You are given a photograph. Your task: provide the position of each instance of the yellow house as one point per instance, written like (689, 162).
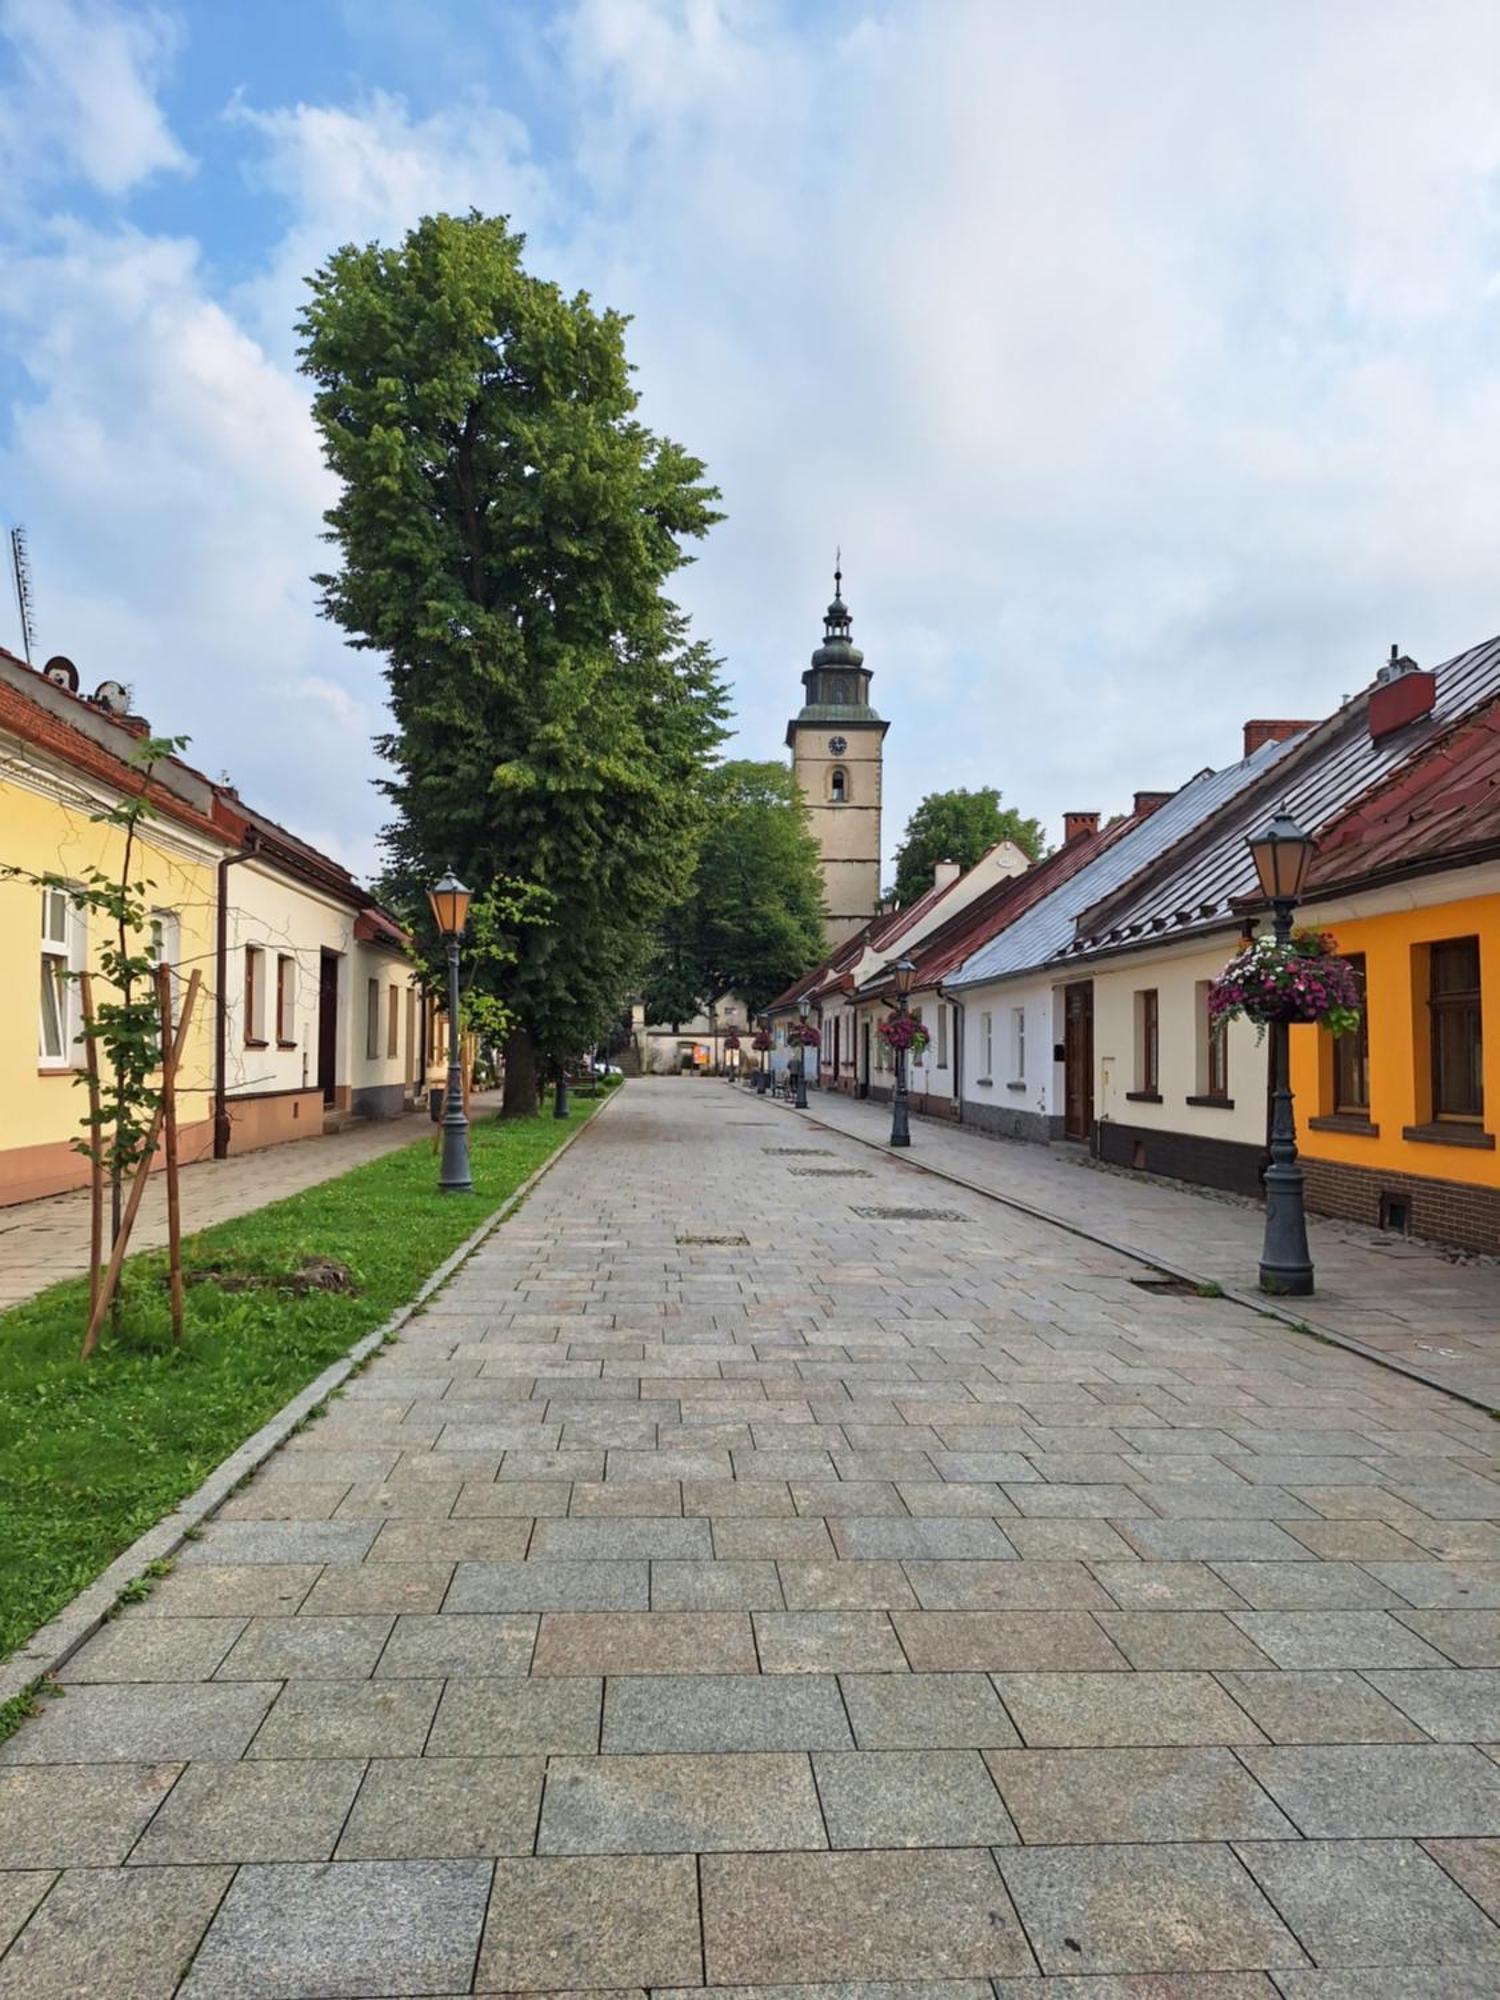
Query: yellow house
(60, 768)
(1398, 1121)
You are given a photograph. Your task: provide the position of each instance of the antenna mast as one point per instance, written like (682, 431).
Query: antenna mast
(20, 565)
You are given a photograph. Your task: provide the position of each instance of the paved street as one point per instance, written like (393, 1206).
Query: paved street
(1418, 1302)
(766, 1567)
(42, 1242)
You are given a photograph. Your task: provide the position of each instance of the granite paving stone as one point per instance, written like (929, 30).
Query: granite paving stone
(21, 1889)
(738, 1712)
(348, 1719)
(444, 1808)
(516, 1718)
(500, 1538)
(909, 1798)
(770, 1919)
(248, 1811)
(160, 1722)
(715, 1586)
(1475, 1866)
(621, 1539)
(209, 1590)
(925, 1711)
(1468, 1638)
(1005, 1641)
(1074, 1797)
(1334, 1639)
(278, 1543)
(343, 1927)
(424, 1645)
(881, 1537)
(77, 1815)
(1372, 1903)
(592, 1921)
(107, 1931)
(1168, 1639)
(1382, 1790)
(155, 1649)
(1166, 1586)
(1039, 1585)
(672, 1804)
(827, 1642)
(378, 1587)
(1166, 1908)
(663, 1642)
(1319, 1706)
(307, 1646)
(1102, 1711)
(845, 1586)
(550, 1586)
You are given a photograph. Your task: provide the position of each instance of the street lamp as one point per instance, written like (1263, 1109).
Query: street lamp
(450, 909)
(905, 972)
(1281, 855)
(762, 1076)
(804, 1007)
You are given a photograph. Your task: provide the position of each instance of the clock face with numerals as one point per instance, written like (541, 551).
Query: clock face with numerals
(837, 746)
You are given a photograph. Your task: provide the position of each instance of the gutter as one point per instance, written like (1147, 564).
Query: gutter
(221, 973)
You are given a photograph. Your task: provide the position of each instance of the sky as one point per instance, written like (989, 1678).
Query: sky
(1140, 355)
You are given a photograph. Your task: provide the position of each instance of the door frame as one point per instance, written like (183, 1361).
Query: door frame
(1078, 1062)
(329, 983)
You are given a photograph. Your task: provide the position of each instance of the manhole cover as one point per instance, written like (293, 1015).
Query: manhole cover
(699, 1242)
(832, 1173)
(797, 1152)
(911, 1214)
(1173, 1287)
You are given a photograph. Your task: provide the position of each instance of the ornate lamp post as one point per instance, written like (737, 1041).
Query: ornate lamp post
(450, 908)
(905, 971)
(804, 1007)
(1281, 855)
(762, 1075)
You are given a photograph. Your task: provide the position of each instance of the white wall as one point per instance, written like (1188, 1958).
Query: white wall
(1039, 1091)
(286, 919)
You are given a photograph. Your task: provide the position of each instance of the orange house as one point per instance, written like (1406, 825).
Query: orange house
(1397, 1123)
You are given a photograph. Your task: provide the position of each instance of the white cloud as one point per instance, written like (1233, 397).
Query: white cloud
(83, 101)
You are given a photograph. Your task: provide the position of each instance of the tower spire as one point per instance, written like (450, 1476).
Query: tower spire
(838, 572)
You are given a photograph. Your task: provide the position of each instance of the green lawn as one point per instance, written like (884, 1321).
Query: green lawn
(93, 1453)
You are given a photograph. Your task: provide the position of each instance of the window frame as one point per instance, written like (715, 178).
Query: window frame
(838, 785)
(372, 1020)
(255, 996)
(1444, 1006)
(286, 1000)
(61, 958)
(392, 1022)
(1018, 1044)
(987, 1044)
(942, 1036)
(1148, 1041)
(1352, 1051)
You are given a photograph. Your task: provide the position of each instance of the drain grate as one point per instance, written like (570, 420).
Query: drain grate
(1177, 1288)
(911, 1214)
(832, 1173)
(701, 1242)
(797, 1152)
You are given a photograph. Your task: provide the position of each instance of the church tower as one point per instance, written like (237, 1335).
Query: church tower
(837, 743)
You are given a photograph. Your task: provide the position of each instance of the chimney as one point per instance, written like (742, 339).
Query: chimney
(1259, 733)
(1148, 802)
(1403, 693)
(1076, 826)
(944, 873)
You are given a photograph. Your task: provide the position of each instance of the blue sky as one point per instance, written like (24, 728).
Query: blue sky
(1142, 357)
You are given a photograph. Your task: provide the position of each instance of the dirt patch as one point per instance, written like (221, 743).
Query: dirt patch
(314, 1274)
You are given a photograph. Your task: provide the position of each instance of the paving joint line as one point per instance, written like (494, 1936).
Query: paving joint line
(54, 1644)
(1254, 1302)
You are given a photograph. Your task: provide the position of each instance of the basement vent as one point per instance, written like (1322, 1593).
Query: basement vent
(832, 1173)
(702, 1242)
(1177, 1288)
(911, 1214)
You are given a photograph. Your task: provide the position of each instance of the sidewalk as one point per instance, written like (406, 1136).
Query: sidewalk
(1402, 1299)
(43, 1242)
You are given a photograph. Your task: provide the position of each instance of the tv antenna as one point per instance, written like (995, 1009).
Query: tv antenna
(20, 568)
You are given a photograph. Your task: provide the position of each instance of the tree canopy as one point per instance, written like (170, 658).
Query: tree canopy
(753, 921)
(958, 826)
(505, 529)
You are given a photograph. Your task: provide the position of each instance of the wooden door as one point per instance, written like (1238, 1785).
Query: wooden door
(864, 1059)
(328, 1024)
(1078, 1060)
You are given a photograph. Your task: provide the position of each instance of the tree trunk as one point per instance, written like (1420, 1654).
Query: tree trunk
(520, 1100)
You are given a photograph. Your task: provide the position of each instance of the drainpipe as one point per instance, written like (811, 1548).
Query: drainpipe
(958, 1050)
(221, 1012)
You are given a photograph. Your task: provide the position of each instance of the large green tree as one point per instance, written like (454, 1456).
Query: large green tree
(505, 528)
(754, 919)
(958, 826)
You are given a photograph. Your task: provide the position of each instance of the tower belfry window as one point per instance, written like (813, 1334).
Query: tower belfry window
(838, 787)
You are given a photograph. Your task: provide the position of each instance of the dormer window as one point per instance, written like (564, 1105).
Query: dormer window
(838, 787)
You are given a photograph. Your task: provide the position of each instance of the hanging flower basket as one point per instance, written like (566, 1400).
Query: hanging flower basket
(762, 1040)
(903, 1031)
(803, 1035)
(731, 1042)
(1303, 980)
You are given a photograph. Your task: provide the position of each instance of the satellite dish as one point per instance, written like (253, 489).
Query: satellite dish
(62, 673)
(112, 697)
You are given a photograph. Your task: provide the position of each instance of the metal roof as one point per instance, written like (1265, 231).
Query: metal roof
(1320, 774)
(1048, 927)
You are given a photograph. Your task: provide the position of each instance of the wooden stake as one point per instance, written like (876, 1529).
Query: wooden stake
(169, 1121)
(96, 1162)
(132, 1207)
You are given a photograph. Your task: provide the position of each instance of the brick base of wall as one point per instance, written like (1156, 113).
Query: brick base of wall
(1180, 1156)
(1004, 1121)
(1447, 1211)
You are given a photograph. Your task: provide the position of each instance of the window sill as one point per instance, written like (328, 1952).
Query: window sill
(984, 1083)
(285, 1045)
(1206, 1103)
(1144, 1097)
(60, 1069)
(1019, 1085)
(254, 1042)
(1443, 1134)
(1344, 1121)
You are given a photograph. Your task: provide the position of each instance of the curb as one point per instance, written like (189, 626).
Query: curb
(1256, 1302)
(49, 1647)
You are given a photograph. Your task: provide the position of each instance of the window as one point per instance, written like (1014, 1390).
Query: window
(987, 1045)
(372, 1021)
(255, 997)
(838, 787)
(60, 1020)
(1018, 1044)
(286, 1001)
(1351, 1054)
(1213, 1048)
(1457, 1048)
(942, 1036)
(1148, 1042)
(166, 944)
(392, 1023)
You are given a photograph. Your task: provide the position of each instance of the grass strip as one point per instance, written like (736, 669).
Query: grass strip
(94, 1453)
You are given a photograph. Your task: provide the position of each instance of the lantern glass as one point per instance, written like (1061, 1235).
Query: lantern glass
(804, 1006)
(905, 972)
(450, 904)
(1281, 855)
